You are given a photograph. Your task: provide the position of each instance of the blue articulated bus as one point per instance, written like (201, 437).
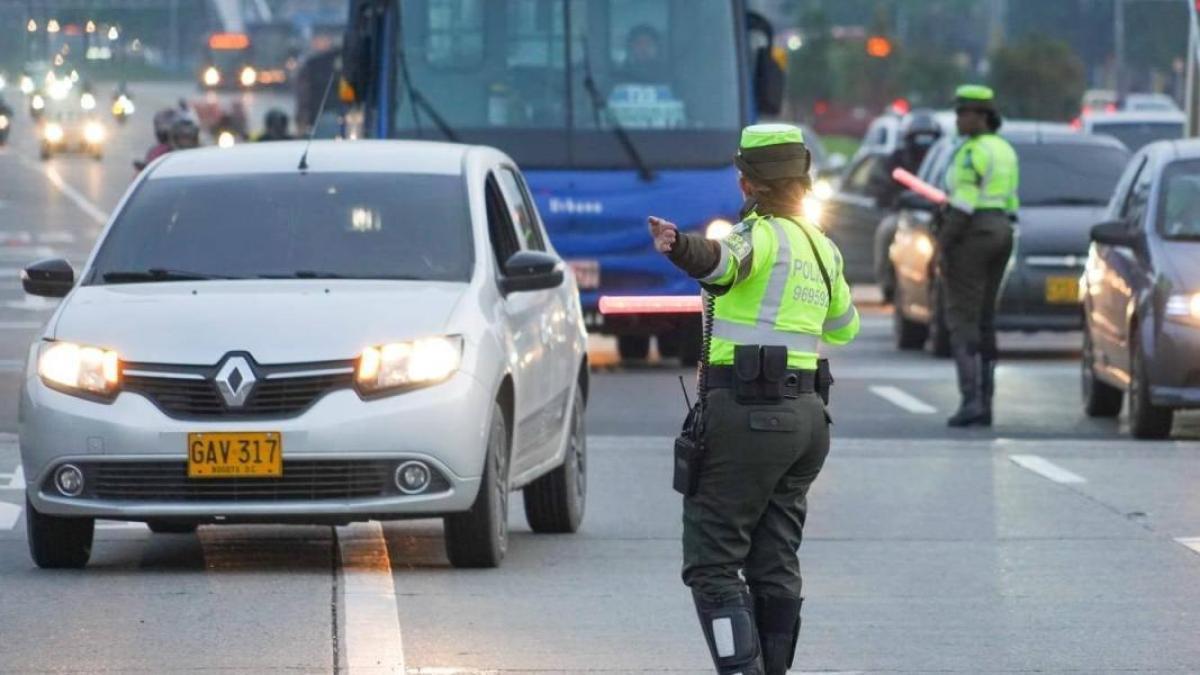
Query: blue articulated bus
(615, 109)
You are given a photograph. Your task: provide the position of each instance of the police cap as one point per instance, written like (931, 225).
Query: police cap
(772, 152)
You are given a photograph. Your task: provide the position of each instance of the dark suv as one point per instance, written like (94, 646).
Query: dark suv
(1067, 179)
(1142, 300)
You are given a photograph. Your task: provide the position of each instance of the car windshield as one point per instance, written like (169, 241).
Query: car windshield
(498, 72)
(1066, 174)
(1137, 134)
(357, 226)
(1179, 202)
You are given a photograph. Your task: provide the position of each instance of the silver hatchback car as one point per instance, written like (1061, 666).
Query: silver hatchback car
(386, 333)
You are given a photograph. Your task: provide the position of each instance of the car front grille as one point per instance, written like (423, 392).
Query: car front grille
(196, 396)
(301, 481)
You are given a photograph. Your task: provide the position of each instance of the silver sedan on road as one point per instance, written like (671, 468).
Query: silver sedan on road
(379, 330)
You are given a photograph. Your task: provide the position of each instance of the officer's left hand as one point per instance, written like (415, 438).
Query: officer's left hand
(664, 233)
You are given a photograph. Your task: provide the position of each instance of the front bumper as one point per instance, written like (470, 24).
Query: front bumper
(1175, 366)
(445, 426)
(1032, 298)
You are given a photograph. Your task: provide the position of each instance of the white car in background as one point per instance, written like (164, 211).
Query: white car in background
(1136, 129)
(385, 334)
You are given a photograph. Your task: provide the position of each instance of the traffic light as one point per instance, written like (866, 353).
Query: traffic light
(880, 47)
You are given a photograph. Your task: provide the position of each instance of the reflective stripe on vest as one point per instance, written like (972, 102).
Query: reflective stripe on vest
(766, 335)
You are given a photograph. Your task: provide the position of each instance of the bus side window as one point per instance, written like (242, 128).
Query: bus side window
(454, 33)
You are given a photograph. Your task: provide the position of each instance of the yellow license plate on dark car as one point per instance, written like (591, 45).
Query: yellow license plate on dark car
(1062, 290)
(235, 455)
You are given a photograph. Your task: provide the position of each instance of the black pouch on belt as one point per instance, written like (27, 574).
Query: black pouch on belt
(689, 453)
(747, 368)
(824, 380)
(774, 372)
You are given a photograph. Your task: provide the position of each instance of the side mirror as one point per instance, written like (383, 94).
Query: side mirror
(531, 271)
(914, 202)
(1114, 233)
(51, 278)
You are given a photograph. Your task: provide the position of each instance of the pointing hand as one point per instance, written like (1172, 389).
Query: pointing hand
(664, 233)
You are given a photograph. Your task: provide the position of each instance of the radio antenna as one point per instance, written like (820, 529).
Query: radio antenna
(312, 133)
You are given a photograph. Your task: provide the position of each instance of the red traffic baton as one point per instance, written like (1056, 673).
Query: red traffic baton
(650, 304)
(908, 180)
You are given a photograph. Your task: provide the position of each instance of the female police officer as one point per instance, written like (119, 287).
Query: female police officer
(778, 290)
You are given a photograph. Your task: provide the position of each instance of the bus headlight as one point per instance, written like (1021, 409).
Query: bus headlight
(53, 133)
(211, 76)
(718, 229)
(93, 133)
(248, 77)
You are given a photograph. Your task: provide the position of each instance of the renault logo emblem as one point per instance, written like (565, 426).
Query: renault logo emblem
(235, 380)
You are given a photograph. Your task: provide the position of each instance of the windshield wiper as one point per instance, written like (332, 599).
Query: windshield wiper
(314, 274)
(415, 97)
(1068, 201)
(160, 274)
(600, 107)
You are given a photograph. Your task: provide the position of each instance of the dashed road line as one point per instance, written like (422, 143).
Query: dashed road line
(9, 515)
(16, 479)
(1046, 469)
(1191, 542)
(372, 641)
(903, 399)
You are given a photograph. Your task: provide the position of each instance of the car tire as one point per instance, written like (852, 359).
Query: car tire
(168, 527)
(1146, 420)
(1100, 399)
(554, 503)
(636, 347)
(478, 538)
(909, 334)
(56, 542)
(939, 332)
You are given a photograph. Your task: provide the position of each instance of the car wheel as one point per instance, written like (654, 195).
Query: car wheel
(1146, 420)
(479, 537)
(909, 334)
(58, 543)
(1100, 399)
(168, 527)
(939, 332)
(633, 346)
(555, 502)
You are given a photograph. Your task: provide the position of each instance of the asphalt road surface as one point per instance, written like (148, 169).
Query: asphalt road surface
(1050, 543)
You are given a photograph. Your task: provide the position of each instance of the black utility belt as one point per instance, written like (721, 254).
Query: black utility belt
(794, 382)
(760, 374)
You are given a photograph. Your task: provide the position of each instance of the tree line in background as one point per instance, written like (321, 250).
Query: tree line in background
(1040, 55)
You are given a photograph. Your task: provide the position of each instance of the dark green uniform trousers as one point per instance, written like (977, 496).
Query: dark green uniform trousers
(747, 516)
(973, 267)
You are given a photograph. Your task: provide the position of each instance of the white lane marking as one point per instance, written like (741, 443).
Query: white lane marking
(90, 209)
(9, 515)
(372, 641)
(33, 303)
(18, 479)
(1190, 542)
(11, 365)
(119, 525)
(21, 325)
(903, 399)
(1046, 469)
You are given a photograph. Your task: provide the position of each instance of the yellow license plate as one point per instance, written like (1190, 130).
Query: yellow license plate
(1062, 290)
(235, 455)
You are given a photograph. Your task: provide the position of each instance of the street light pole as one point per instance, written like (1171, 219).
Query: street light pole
(1119, 46)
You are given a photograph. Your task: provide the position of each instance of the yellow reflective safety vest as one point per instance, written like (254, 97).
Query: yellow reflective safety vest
(984, 174)
(770, 291)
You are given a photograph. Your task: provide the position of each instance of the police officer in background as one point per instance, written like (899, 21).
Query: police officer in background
(975, 240)
(776, 289)
(917, 135)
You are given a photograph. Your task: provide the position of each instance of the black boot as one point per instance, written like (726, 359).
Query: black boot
(970, 385)
(778, 631)
(732, 634)
(987, 388)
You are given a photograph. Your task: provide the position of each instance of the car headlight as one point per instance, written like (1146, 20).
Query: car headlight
(1184, 307)
(3, 122)
(212, 76)
(38, 103)
(822, 189)
(718, 229)
(407, 365)
(79, 368)
(26, 85)
(93, 133)
(813, 209)
(226, 139)
(87, 101)
(248, 77)
(53, 132)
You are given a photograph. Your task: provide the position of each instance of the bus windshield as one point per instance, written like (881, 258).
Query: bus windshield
(498, 72)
